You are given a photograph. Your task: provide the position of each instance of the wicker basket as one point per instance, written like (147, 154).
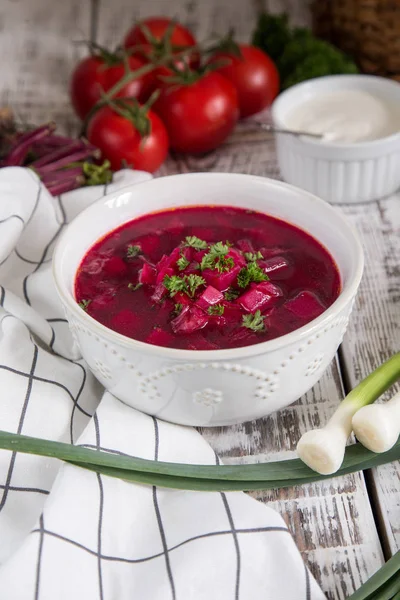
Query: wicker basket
(367, 30)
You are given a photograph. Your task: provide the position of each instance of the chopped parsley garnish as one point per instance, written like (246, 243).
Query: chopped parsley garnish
(174, 284)
(182, 263)
(178, 308)
(194, 281)
(216, 258)
(253, 256)
(217, 309)
(133, 251)
(84, 304)
(187, 284)
(231, 294)
(134, 286)
(194, 242)
(251, 273)
(254, 322)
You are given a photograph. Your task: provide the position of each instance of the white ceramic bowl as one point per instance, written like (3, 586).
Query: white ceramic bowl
(216, 387)
(339, 173)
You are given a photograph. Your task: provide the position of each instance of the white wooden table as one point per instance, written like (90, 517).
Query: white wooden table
(345, 527)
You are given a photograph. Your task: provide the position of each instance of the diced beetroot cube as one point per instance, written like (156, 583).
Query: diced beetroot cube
(163, 273)
(150, 245)
(102, 301)
(189, 320)
(188, 253)
(237, 256)
(305, 305)
(221, 281)
(115, 266)
(217, 321)
(260, 296)
(147, 275)
(159, 337)
(162, 263)
(276, 267)
(159, 292)
(198, 256)
(197, 341)
(242, 337)
(209, 297)
(125, 321)
(192, 268)
(182, 298)
(232, 312)
(173, 257)
(245, 246)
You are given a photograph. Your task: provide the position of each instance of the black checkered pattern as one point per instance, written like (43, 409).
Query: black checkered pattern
(71, 533)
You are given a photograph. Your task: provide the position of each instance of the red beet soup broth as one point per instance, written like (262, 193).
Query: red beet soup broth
(206, 278)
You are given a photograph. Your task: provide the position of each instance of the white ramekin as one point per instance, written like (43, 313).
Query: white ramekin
(217, 387)
(339, 173)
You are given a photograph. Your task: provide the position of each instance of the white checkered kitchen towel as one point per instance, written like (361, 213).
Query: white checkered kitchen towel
(70, 534)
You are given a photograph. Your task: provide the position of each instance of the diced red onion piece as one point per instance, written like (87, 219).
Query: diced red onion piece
(189, 320)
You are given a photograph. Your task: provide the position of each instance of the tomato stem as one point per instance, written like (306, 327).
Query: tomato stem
(131, 76)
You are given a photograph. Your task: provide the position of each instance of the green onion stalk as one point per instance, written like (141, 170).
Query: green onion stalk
(324, 449)
(384, 585)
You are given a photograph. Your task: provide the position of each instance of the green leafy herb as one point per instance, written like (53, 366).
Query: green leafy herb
(178, 308)
(253, 256)
(175, 284)
(216, 258)
(298, 54)
(231, 294)
(194, 242)
(193, 282)
(133, 251)
(97, 174)
(84, 304)
(251, 273)
(217, 309)
(254, 322)
(182, 263)
(134, 286)
(187, 284)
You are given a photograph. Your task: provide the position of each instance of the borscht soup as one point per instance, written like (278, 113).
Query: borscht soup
(206, 278)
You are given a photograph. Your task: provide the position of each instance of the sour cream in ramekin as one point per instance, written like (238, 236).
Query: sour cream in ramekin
(345, 116)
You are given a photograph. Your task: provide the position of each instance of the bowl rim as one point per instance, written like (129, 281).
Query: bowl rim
(317, 82)
(288, 339)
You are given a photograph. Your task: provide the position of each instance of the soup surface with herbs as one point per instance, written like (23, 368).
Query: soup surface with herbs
(205, 278)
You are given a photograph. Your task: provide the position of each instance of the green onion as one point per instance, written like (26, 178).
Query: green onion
(323, 449)
(260, 476)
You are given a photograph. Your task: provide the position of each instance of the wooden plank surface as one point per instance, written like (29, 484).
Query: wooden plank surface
(38, 51)
(332, 522)
(374, 333)
(338, 541)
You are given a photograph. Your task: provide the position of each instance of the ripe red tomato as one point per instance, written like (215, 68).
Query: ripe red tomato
(93, 75)
(158, 27)
(121, 143)
(198, 116)
(154, 38)
(255, 77)
(86, 82)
